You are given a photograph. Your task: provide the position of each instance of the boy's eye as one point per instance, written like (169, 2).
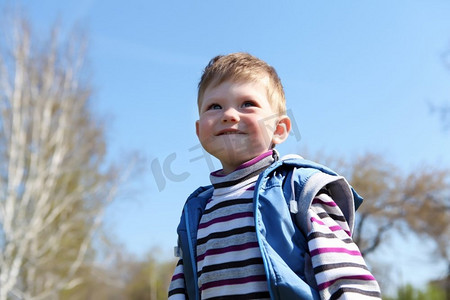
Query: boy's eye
(215, 106)
(248, 104)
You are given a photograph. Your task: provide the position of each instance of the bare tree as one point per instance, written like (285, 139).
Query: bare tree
(54, 183)
(443, 109)
(443, 112)
(418, 201)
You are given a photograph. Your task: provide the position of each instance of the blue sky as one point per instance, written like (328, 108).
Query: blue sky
(357, 74)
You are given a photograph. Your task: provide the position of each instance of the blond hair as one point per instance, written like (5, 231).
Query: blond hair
(243, 67)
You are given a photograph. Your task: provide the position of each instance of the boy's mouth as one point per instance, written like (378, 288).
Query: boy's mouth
(229, 131)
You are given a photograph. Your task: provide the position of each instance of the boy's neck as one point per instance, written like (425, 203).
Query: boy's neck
(230, 169)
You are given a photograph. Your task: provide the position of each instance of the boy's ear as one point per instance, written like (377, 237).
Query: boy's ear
(282, 130)
(196, 127)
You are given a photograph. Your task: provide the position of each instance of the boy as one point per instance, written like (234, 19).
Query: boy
(266, 227)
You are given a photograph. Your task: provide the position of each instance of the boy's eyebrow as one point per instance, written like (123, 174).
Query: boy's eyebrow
(210, 99)
(240, 98)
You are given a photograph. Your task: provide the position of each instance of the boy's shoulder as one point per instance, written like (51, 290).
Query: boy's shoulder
(296, 161)
(291, 156)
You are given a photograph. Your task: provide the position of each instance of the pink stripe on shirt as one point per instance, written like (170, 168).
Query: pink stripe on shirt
(332, 228)
(319, 201)
(227, 249)
(255, 160)
(226, 218)
(177, 276)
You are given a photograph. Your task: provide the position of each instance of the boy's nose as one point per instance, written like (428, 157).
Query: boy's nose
(230, 115)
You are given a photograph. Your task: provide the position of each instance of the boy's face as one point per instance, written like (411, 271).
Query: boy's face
(237, 123)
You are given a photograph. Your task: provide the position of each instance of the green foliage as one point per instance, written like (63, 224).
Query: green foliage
(408, 292)
(150, 279)
(126, 279)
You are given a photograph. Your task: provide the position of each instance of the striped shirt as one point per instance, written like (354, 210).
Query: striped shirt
(229, 260)
(340, 270)
(228, 257)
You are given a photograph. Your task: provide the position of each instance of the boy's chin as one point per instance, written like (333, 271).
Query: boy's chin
(238, 157)
(235, 151)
